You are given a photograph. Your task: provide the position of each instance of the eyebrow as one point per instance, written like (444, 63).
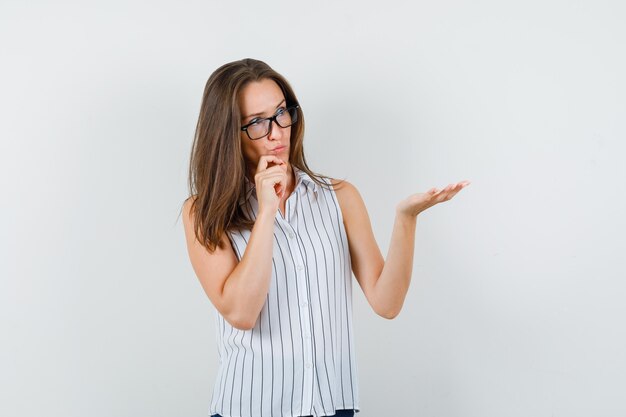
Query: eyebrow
(259, 114)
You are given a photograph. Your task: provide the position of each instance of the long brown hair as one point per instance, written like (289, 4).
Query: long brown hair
(217, 166)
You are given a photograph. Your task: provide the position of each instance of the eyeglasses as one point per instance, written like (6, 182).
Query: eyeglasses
(259, 128)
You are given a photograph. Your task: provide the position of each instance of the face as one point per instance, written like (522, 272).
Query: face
(257, 100)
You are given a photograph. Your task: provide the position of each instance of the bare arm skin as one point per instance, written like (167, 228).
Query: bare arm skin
(385, 283)
(238, 290)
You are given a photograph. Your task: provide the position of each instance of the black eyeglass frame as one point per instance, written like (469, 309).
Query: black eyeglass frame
(271, 119)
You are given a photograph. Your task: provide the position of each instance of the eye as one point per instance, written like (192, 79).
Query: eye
(280, 111)
(254, 121)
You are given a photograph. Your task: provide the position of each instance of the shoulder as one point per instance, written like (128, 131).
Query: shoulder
(188, 219)
(187, 204)
(343, 187)
(348, 196)
(189, 211)
(192, 231)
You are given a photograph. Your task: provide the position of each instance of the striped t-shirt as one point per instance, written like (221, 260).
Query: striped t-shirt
(299, 359)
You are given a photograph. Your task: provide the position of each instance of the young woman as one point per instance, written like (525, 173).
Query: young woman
(274, 246)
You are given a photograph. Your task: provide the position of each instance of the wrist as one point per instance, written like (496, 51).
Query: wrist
(266, 213)
(406, 217)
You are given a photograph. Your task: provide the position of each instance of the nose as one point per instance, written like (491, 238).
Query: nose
(275, 131)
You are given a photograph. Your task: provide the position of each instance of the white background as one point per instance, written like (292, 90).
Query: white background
(516, 306)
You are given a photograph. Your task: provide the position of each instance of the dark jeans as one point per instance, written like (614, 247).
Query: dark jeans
(340, 413)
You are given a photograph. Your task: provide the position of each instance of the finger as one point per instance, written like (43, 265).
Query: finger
(279, 184)
(444, 190)
(273, 178)
(443, 194)
(282, 166)
(264, 161)
(453, 191)
(461, 185)
(275, 169)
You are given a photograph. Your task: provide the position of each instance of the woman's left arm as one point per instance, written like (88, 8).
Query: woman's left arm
(385, 283)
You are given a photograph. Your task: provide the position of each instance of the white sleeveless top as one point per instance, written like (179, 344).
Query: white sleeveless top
(299, 359)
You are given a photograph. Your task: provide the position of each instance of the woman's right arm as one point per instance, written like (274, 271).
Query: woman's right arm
(238, 290)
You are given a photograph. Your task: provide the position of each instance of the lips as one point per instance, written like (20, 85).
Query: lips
(278, 149)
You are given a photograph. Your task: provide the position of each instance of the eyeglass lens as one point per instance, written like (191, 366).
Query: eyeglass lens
(285, 118)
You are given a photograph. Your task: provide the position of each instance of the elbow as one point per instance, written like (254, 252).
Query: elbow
(237, 316)
(389, 309)
(241, 325)
(389, 315)
(390, 312)
(241, 322)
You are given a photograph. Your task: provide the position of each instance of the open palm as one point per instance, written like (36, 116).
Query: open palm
(417, 203)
